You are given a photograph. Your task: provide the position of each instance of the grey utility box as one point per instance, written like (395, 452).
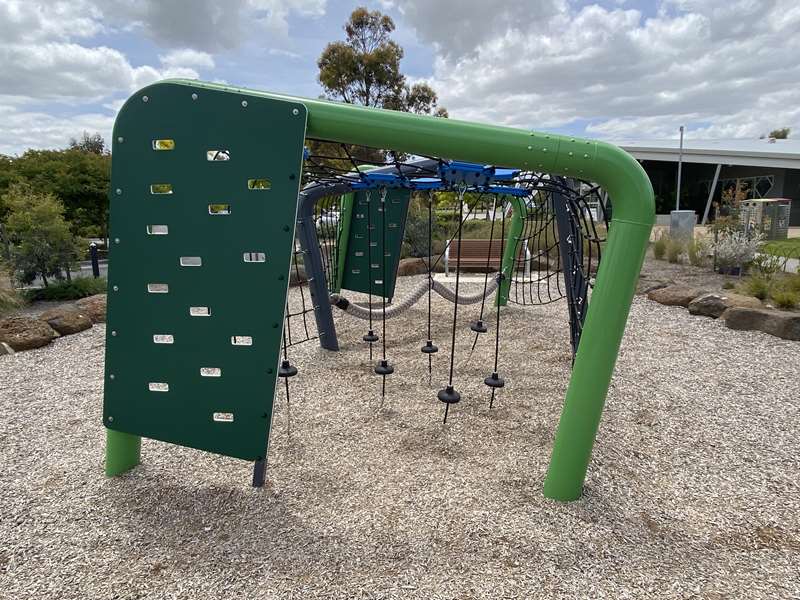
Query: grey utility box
(681, 224)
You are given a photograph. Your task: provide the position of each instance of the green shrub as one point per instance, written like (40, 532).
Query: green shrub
(660, 247)
(758, 287)
(792, 283)
(697, 250)
(786, 299)
(69, 290)
(675, 249)
(9, 300)
(728, 285)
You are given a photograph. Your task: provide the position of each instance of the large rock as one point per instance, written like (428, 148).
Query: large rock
(779, 323)
(25, 333)
(412, 266)
(94, 307)
(674, 295)
(646, 285)
(66, 320)
(716, 303)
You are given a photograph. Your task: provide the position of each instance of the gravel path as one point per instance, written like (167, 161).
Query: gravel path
(692, 492)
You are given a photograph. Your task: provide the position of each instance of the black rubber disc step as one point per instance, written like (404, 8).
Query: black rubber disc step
(478, 326)
(429, 348)
(449, 396)
(287, 370)
(384, 368)
(495, 381)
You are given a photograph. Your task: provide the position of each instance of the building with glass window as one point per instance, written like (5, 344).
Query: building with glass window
(738, 169)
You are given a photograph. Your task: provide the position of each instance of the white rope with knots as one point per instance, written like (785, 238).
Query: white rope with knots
(418, 292)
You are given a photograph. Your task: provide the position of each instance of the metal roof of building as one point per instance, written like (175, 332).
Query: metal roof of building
(783, 154)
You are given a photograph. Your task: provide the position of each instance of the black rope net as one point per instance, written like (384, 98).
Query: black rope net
(298, 326)
(556, 254)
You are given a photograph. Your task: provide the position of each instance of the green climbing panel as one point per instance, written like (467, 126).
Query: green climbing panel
(203, 205)
(365, 246)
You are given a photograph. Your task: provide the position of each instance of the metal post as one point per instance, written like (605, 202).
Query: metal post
(312, 263)
(575, 284)
(95, 262)
(518, 215)
(680, 164)
(711, 194)
(123, 451)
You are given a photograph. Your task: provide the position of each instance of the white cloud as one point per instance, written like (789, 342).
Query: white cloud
(186, 57)
(35, 129)
(70, 72)
(28, 21)
(207, 24)
(723, 65)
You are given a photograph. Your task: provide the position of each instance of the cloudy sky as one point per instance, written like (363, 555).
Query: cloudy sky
(613, 69)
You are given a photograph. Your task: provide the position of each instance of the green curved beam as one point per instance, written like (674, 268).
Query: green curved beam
(609, 166)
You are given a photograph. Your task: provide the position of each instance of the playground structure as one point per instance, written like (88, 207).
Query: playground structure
(199, 241)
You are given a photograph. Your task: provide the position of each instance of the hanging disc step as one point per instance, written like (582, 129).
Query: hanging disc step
(287, 369)
(494, 381)
(449, 396)
(478, 326)
(429, 348)
(384, 368)
(370, 337)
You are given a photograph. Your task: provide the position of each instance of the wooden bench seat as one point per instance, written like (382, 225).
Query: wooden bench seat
(472, 254)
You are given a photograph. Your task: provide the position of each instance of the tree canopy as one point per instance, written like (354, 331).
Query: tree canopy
(78, 176)
(780, 134)
(39, 241)
(365, 68)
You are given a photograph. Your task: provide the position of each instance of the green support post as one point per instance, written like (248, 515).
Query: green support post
(123, 451)
(607, 165)
(518, 215)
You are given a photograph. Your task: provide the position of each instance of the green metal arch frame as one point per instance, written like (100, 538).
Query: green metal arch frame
(609, 166)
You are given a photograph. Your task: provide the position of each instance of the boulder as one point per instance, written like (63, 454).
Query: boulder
(25, 333)
(645, 286)
(5, 349)
(411, 266)
(779, 323)
(66, 320)
(674, 295)
(716, 303)
(94, 307)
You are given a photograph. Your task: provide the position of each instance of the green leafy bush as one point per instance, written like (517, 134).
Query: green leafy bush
(69, 290)
(40, 241)
(791, 283)
(660, 248)
(697, 250)
(728, 285)
(758, 287)
(9, 300)
(675, 249)
(786, 299)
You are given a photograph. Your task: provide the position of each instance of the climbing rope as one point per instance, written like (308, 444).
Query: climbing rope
(413, 297)
(287, 370)
(449, 395)
(479, 326)
(494, 380)
(429, 348)
(370, 337)
(383, 368)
